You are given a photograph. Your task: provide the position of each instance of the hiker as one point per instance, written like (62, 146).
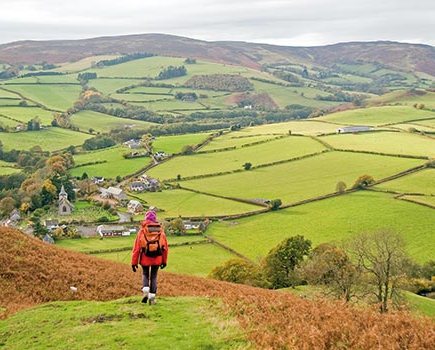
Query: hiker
(151, 252)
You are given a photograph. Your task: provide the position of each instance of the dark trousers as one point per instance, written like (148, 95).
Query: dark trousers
(150, 277)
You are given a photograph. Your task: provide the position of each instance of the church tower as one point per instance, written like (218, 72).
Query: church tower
(65, 206)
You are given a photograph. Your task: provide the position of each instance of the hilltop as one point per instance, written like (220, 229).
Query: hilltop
(33, 273)
(401, 56)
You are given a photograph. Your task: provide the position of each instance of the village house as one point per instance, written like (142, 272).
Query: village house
(191, 225)
(134, 206)
(353, 129)
(48, 239)
(112, 231)
(160, 155)
(14, 217)
(145, 183)
(113, 193)
(65, 206)
(137, 186)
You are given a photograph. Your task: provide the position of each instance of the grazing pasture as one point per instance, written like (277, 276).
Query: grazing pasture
(385, 142)
(109, 86)
(104, 123)
(307, 178)
(50, 139)
(420, 182)
(230, 140)
(428, 200)
(329, 220)
(305, 127)
(57, 97)
(208, 163)
(7, 168)
(24, 114)
(112, 163)
(83, 64)
(175, 143)
(376, 116)
(189, 204)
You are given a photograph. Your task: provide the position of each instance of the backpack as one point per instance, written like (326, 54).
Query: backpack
(151, 239)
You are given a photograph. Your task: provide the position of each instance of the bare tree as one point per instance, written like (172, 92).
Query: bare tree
(381, 256)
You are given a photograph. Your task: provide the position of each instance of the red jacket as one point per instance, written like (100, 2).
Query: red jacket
(146, 260)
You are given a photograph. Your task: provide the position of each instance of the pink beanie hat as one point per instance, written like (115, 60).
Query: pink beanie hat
(150, 215)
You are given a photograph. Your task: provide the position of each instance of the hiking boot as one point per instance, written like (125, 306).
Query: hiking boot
(145, 291)
(152, 299)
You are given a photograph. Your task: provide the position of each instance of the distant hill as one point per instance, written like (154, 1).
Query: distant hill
(33, 273)
(399, 56)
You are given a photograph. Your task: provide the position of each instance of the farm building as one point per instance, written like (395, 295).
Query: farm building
(134, 206)
(145, 183)
(65, 206)
(15, 216)
(353, 129)
(98, 180)
(160, 155)
(51, 224)
(137, 186)
(112, 231)
(113, 193)
(133, 144)
(192, 225)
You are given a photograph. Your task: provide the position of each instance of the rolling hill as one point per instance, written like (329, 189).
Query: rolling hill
(33, 273)
(401, 56)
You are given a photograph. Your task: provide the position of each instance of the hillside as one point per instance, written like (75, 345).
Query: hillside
(33, 273)
(406, 57)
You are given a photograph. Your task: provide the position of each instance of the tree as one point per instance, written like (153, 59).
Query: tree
(381, 256)
(363, 181)
(188, 149)
(239, 271)
(331, 266)
(7, 204)
(340, 187)
(274, 204)
(247, 166)
(176, 226)
(282, 260)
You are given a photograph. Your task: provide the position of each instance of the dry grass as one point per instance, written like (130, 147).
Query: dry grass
(33, 273)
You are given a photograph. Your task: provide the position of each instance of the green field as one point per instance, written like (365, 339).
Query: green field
(109, 86)
(187, 204)
(103, 123)
(378, 115)
(332, 219)
(196, 259)
(24, 114)
(56, 97)
(421, 182)
(430, 123)
(416, 125)
(308, 178)
(208, 163)
(429, 200)
(172, 105)
(234, 140)
(385, 142)
(305, 127)
(82, 64)
(421, 305)
(86, 245)
(406, 98)
(174, 144)
(183, 322)
(7, 168)
(50, 139)
(115, 164)
(45, 79)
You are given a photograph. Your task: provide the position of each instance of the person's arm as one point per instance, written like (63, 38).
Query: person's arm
(165, 251)
(136, 251)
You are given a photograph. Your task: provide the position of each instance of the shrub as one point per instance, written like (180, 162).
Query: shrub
(363, 181)
(240, 271)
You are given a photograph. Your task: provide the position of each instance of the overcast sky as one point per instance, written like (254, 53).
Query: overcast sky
(284, 22)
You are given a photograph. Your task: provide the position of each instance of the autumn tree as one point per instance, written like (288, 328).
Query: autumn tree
(275, 204)
(340, 187)
(240, 271)
(381, 256)
(7, 204)
(331, 267)
(282, 260)
(363, 181)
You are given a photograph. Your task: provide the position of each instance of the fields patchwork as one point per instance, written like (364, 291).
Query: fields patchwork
(50, 139)
(420, 182)
(18, 115)
(308, 178)
(56, 97)
(208, 163)
(100, 122)
(114, 163)
(174, 144)
(187, 204)
(332, 219)
(378, 115)
(305, 127)
(385, 142)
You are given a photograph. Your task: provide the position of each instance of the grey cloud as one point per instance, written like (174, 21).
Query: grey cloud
(291, 22)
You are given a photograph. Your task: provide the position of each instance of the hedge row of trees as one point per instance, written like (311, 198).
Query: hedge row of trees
(372, 267)
(220, 82)
(124, 58)
(172, 72)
